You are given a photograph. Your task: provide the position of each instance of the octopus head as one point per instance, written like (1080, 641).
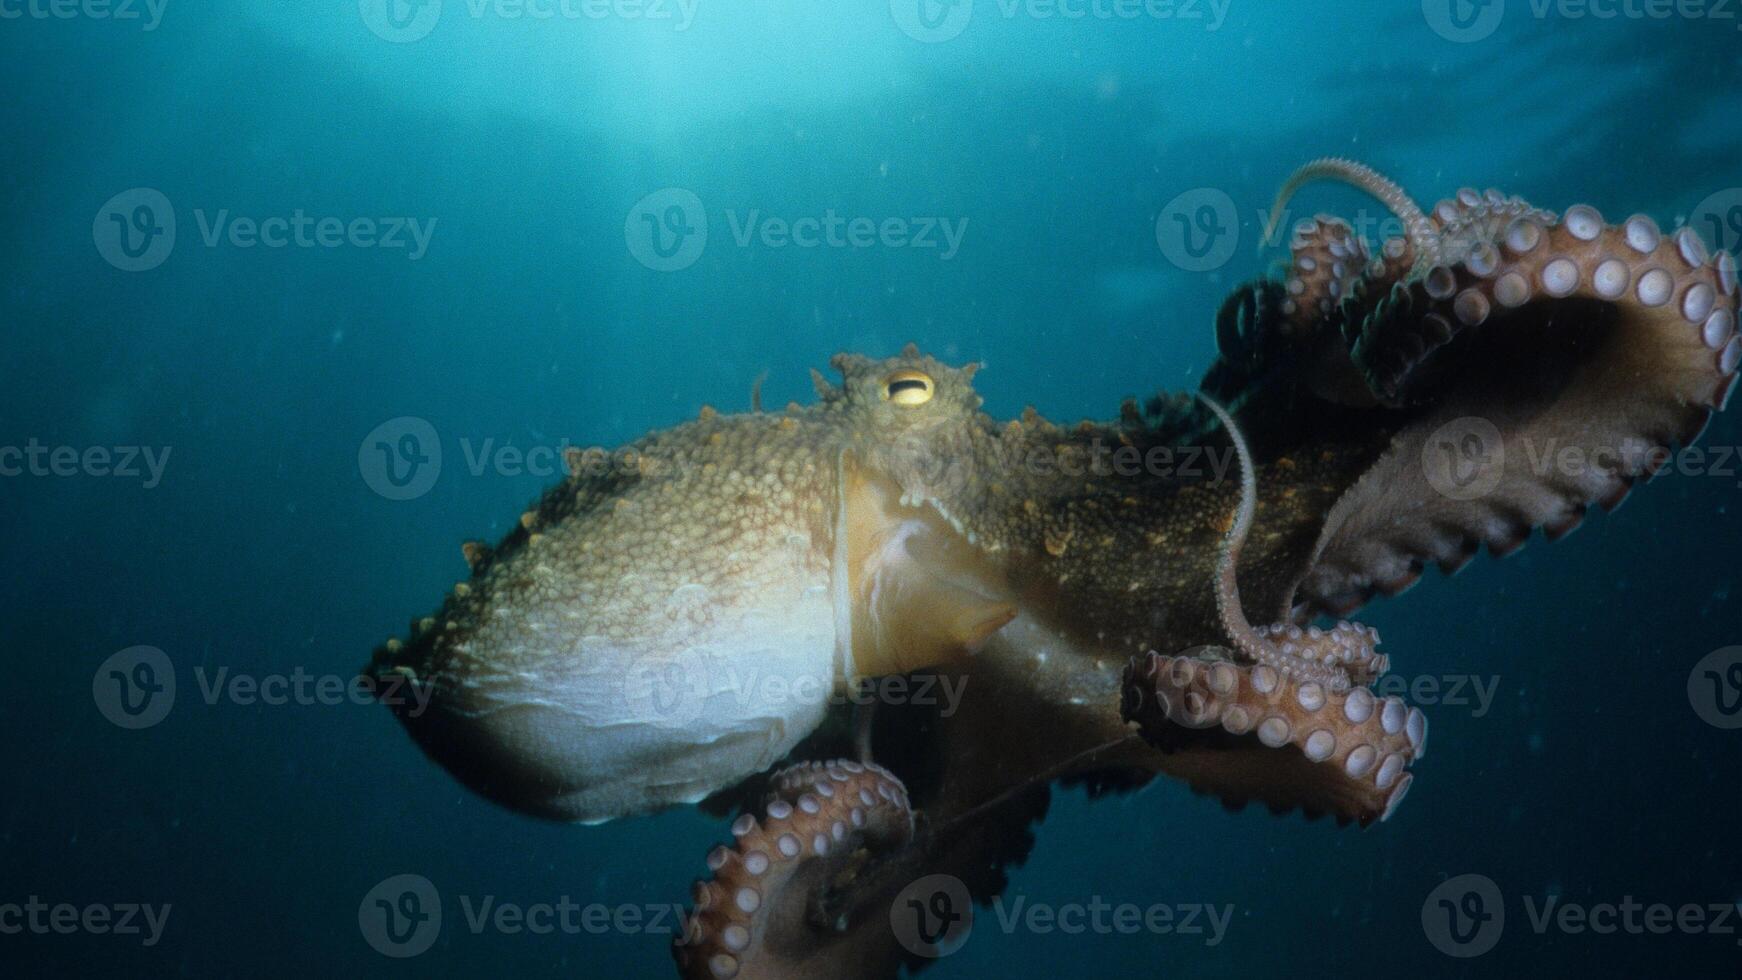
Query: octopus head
(912, 418)
(912, 392)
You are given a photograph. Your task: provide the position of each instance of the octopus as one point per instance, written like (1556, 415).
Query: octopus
(690, 620)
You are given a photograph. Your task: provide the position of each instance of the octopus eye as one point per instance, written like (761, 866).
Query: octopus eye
(909, 388)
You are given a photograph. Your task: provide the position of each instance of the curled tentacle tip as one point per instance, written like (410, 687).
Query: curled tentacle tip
(816, 813)
(1417, 227)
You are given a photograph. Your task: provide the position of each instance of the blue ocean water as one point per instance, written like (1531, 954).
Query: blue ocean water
(482, 216)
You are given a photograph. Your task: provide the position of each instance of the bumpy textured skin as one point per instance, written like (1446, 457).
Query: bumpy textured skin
(638, 554)
(1556, 330)
(671, 556)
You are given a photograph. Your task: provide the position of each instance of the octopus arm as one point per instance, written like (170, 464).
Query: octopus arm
(1245, 734)
(1520, 366)
(817, 877)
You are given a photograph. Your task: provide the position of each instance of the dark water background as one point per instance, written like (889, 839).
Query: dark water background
(264, 550)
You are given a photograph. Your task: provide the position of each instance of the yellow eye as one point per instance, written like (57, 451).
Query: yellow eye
(909, 388)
